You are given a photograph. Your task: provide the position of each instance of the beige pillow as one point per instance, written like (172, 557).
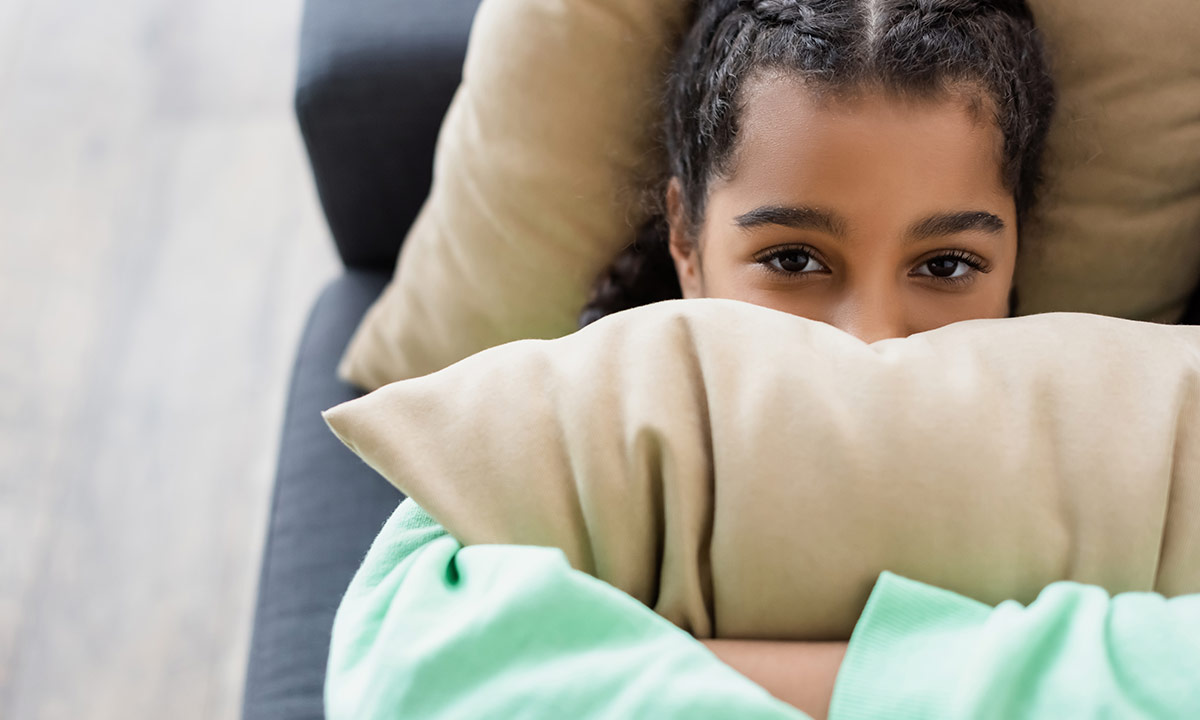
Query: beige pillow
(1121, 215)
(544, 145)
(534, 185)
(749, 473)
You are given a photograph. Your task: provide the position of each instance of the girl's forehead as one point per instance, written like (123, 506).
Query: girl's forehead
(791, 133)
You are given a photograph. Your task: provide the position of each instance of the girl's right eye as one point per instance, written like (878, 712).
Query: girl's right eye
(790, 261)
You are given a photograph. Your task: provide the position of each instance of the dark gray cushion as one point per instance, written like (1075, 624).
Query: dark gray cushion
(375, 79)
(327, 508)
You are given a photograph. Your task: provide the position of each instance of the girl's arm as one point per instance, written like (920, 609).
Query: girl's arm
(428, 628)
(923, 652)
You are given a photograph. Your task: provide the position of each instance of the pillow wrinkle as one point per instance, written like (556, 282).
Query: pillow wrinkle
(646, 457)
(688, 532)
(704, 543)
(595, 560)
(1182, 506)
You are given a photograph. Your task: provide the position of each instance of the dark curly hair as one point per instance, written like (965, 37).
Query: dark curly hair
(921, 48)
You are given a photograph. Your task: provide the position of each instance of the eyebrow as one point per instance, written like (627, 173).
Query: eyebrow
(956, 222)
(811, 218)
(799, 217)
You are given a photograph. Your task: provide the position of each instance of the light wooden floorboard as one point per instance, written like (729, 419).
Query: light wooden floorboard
(160, 246)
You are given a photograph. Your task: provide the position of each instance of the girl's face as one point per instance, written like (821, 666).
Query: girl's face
(882, 217)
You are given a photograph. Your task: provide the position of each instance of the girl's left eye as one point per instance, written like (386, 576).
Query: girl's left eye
(953, 267)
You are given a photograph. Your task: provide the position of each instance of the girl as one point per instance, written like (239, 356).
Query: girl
(867, 163)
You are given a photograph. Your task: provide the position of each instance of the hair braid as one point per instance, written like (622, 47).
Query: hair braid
(642, 274)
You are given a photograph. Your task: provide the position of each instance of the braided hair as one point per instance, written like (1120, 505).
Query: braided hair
(920, 48)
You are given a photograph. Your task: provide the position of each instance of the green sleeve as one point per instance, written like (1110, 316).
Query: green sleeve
(923, 652)
(428, 628)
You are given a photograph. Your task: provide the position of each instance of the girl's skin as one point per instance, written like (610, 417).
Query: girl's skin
(879, 215)
(836, 210)
(799, 673)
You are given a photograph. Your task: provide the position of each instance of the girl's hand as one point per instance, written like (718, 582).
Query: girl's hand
(800, 674)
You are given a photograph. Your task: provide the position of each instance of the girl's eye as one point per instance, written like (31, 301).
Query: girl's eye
(790, 261)
(954, 267)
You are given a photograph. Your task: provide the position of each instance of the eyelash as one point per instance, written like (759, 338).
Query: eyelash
(977, 264)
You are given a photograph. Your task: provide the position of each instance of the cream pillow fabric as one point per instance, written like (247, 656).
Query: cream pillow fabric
(544, 145)
(748, 473)
(1120, 229)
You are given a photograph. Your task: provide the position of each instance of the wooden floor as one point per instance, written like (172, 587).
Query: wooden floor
(160, 246)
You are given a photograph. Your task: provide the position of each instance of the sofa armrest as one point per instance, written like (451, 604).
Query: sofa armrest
(327, 507)
(374, 82)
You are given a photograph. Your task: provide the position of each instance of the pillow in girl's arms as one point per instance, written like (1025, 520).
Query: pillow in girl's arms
(748, 473)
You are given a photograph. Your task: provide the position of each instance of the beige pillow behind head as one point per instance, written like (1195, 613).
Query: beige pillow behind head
(555, 123)
(1120, 221)
(535, 182)
(748, 473)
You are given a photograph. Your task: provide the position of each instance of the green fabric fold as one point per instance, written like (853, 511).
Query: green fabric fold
(430, 629)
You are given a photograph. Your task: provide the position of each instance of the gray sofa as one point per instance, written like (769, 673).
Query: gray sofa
(375, 79)
(374, 82)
